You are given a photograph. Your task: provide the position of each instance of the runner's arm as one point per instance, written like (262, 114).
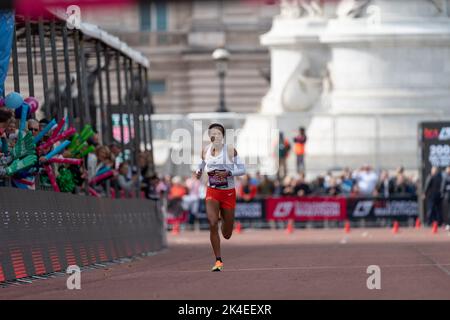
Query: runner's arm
(238, 167)
(201, 165)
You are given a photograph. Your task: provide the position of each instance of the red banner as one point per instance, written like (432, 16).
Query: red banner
(306, 208)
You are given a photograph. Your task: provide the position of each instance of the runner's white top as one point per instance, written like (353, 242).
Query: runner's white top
(222, 162)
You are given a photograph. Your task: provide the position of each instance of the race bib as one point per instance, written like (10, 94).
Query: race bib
(217, 182)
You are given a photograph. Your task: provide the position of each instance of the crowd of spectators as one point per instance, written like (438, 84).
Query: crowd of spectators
(126, 180)
(361, 182)
(138, 179)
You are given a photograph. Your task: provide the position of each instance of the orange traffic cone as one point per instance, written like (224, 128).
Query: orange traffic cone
(435, 227)
(290, 227)
(238, 228)
(176, 228)
(347, 227)
(395, 228)
(418, 224)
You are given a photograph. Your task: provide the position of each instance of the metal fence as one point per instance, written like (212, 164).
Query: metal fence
(87, 76)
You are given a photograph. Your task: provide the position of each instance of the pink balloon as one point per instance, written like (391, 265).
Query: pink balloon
(33, 103)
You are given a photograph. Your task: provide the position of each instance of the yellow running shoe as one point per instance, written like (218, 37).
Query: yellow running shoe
(218, 266)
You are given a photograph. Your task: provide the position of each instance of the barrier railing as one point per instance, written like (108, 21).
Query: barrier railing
(50, 231)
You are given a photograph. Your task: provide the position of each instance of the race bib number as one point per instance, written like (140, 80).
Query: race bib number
(217, 182)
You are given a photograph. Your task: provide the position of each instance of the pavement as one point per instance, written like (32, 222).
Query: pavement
(270, 264)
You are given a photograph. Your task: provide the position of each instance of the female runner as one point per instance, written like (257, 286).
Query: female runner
(221, 163)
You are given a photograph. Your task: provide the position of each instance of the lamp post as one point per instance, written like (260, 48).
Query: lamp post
(221, 57)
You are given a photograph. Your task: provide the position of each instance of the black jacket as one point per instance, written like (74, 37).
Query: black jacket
(433, 185)
(445, 186)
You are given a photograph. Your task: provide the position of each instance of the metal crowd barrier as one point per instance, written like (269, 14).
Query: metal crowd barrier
(44, 232)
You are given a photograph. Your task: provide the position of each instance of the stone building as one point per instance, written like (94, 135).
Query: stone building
(179, 38)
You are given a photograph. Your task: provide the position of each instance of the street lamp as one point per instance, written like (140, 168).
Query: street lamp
(221, 57)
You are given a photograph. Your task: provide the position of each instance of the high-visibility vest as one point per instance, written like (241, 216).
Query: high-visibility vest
(299, 148)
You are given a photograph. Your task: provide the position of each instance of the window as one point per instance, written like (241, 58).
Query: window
(157, 86)
(161, 16)
(144, 12)
(153, 15)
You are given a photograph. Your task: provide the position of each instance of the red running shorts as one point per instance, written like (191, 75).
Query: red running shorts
(225, 197)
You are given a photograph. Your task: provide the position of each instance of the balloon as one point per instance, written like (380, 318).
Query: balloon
(18, 112)
(13, 100)
(33, 103)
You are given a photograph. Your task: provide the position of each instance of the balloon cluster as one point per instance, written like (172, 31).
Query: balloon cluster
(16, 102)
(25, 153)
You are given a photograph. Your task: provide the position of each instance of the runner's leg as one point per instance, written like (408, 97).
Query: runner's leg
(212, 210)
(227, 222)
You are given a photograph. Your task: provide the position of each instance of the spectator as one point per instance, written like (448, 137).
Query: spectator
(328, 178)
(101, 158)
(5, 116)
(355, 192)
(402, 186)
(43, 123)
(299, 148)
(144, 160)
(288, 186)
(192, 199)
(256, 180)
(126, 184)
(333, 188)
(177, 190)
(432, 196)
(346, 181)
(283, 152)
(318, 186)
(385, 186)
(94, 140)
(33, 126)
(301, 187)
(162, 187)
(176, 193)
(115, 153)
(366, 179)
(278, 188)
(11, 128)
(266, 187)
(445, 192)
(152, 189)
(247, 191)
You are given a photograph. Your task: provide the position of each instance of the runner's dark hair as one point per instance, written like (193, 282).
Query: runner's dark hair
(217, 125)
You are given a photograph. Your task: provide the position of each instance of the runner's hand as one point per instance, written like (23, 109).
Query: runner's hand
(221, 174)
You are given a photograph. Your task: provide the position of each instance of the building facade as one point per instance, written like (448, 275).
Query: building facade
(179, 38)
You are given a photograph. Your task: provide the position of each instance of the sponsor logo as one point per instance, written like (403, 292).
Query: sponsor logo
(444, 134)
(430, 133)
(363, 208)
(283, 209)
(440, 134)
(318, 209)
(398, 208)
(249, 210)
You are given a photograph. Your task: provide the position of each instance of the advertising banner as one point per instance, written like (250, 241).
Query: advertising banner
(253, 210)
(434, 141)
(400, 208)
(306, 208)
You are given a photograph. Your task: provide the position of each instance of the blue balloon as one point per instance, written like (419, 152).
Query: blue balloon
(18, 112)
(13, 100)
